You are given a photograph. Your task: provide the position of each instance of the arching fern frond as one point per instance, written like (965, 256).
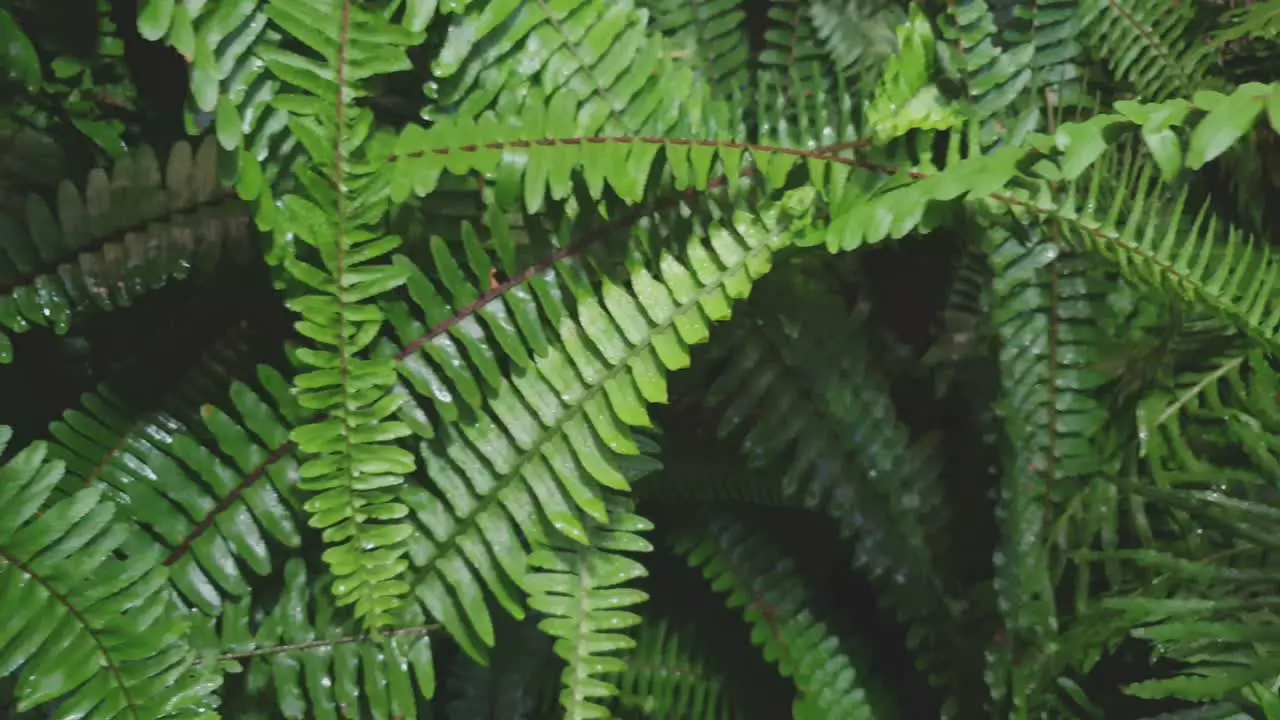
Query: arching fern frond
(123, 235)
(540, 451)
(199, 491)
(76, 584)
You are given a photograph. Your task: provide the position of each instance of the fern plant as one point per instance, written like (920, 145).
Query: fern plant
(340, 339)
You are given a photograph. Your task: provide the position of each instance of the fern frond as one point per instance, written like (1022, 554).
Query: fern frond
(120, 237)
(577, 585)
(711, 36)
(813, 396)
(1042, 312)
(857, 33)
(540, 450)
(353, 465)
(624, 164)
(310, 663)
(87, 621)
(1213, 618)
(667, 679)
(1149, 44)
(1160, 245)
(762, 583)
(993, 77)
(1053, 29)
(794, 51)
(603, 57)
(197, 490)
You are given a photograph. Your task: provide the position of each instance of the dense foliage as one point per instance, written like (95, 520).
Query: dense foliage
(338, 338)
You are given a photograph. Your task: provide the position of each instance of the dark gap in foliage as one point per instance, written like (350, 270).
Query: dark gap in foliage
(144, 349)
(851, 609)
(160, 75)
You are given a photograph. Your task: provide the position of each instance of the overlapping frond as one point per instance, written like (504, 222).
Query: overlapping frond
(762, 584)
(86, 618)
(1043, 312)
(540, 452)
(125, 234)
(502, 225)
(802, 389)
(216, 500)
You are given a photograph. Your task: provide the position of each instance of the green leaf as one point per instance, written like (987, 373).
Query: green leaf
(19, 56)
(1225, 124)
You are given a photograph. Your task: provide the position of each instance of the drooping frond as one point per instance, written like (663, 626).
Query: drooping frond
(579, 587)
(78, 582)
(802, 390)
